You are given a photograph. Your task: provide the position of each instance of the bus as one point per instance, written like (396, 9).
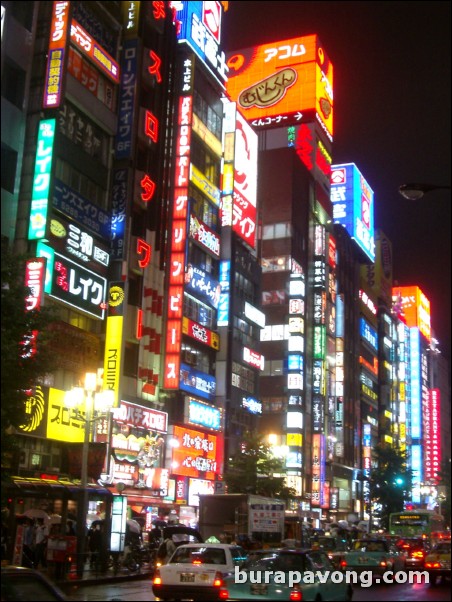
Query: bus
(416, 523)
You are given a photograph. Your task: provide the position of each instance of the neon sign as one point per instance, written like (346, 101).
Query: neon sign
(41, 180)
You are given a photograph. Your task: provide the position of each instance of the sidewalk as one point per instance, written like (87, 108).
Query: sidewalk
(91, 575)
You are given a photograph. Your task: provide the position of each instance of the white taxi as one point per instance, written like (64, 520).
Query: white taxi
(196, 571)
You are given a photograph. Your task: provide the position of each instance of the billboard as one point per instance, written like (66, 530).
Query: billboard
(415, 308)
(284, 83)
(198, 454)
(353, 206)
(432, 436)
(199, 26)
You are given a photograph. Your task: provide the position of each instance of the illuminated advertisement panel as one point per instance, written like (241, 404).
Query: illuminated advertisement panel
(34, 279)
(284, 83)
(368, 333)
(179, 229)
(199, 26)
(126, 100)
(55, 59)
(41, 180)
(378, 275)
(113, 339)
(88, 46)
(353, 206)
(198, 455)
(69, 238)
(48, 417)
(203, 414)
(73, 284)
(73, 205)
(205, 236)
(254, 406)
(432, 436)
(416, 467)
(415, 308)
(316, 469)
(253, 358)
(245, 182)
(415, 378)
(200, 333)
(223, 304)
(205, 287)
(197, 383)
(138, 416)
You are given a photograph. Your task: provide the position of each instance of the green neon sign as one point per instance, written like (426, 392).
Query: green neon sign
(41, 180)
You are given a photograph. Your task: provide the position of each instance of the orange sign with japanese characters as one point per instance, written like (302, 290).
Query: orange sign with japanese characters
(283, 83)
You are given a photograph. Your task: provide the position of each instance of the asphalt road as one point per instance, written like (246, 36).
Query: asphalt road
(142, 591)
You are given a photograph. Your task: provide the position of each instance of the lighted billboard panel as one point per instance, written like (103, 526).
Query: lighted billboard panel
(56, 55)
(41, 179)
(432, 436)
(415, 307)
(245, 182)
(199, 26)
(283, 83)
(353, 205)
(415, 378)
(198, 454)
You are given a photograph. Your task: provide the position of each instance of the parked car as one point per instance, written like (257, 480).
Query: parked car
(287, 561)
(415, 550)
(20, 583)
(377, 555)
(437, 562)
(197, 571)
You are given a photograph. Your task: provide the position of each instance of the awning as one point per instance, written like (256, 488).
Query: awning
(30, 487)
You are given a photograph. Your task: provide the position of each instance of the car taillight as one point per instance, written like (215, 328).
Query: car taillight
(432, 565)
(223, 594)
(343, 563)
(197, 561)
(296, 594)
(218, 579)
(157, 580)
(383, 562)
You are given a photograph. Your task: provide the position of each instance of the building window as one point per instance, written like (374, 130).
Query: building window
(131, 360)
(23, 13)
(9, 165)
(13, 84)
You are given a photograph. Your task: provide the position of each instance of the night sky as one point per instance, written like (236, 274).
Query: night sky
(392, 85)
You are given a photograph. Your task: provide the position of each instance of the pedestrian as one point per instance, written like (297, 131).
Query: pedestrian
(41, 536)
(165, 550)
(28, 544)
(94, 543)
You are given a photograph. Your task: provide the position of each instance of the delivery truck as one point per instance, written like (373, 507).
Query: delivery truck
(238, 516)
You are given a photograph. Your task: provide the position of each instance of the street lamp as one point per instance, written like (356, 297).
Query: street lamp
(94, 403)
(415, 191)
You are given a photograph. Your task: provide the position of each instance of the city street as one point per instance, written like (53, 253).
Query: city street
(142, 590)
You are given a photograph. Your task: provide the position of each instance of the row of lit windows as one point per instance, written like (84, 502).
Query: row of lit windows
(207, 115)
(199, 312)
(282, 230)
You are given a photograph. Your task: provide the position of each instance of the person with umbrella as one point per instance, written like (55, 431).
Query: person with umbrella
(41, 536)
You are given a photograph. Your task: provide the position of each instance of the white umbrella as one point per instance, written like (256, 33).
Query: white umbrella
(133, 525)
(37, 513)
(55, 519)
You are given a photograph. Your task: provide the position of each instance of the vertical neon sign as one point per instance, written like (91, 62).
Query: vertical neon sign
(57, 49)
(179, 232)
(41, 180)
